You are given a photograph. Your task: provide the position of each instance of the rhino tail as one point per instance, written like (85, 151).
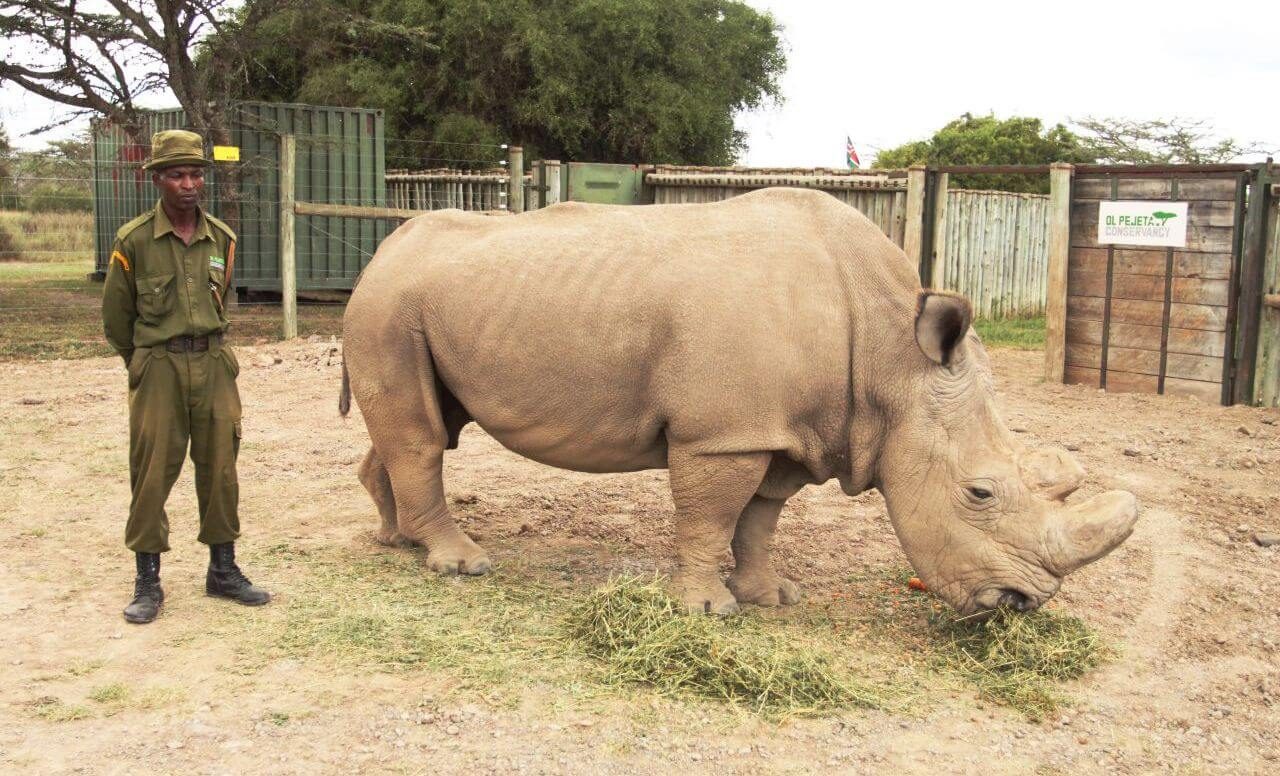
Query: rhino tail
(344, 397)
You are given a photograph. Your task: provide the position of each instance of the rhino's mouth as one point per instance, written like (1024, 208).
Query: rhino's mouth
(993, 598)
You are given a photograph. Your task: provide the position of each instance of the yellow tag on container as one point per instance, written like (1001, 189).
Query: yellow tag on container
(226, 153)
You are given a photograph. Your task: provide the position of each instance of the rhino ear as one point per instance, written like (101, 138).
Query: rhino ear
(942, 321)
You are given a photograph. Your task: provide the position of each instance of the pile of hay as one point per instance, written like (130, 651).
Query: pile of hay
(1018, 659)
(646, 637)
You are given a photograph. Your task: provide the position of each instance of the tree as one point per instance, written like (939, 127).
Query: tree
(1160, 141)
(598, 80)
(102, 59)
(988, 140)
(58, 177)
(8, 197)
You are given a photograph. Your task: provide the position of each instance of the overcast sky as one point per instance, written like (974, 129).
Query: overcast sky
(884, 73)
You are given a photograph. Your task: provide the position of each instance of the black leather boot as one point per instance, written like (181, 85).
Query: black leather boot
(225, 579)
(147, 595)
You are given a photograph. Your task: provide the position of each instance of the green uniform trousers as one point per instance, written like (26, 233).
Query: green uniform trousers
(176, 398)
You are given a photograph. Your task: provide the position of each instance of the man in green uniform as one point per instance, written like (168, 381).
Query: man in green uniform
(163, 311)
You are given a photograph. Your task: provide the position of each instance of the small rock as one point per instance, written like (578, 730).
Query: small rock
(1073, 447)
(116, 635)
(525, 529)
(31, 402)
(1132, 452)
(452, 730)
(1270, 421)
(466, 498)
(1243, 528)
(1245, 430)
(1266, 539)
(1018, 429)
(1220, 639)
(174, 744)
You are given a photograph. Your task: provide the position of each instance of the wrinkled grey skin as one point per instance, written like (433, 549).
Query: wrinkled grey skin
(751, 347)
(983, 520)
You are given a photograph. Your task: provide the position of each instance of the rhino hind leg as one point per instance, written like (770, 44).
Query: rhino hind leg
(754, 579)
(410, 434)
(710, 493)
(373, 475)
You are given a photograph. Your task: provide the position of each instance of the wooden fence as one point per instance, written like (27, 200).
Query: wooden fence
(441, 189)
(1267, 383)
(882, 197)
(992, 246)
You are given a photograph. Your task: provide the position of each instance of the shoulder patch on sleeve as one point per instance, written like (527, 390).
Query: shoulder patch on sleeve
(133, 225)
(124, 261)
(221, 226)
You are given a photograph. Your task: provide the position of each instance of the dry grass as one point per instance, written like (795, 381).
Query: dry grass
(645, 637)
(881, 646)
(47, 237)
(1019, 660)
(53, 310)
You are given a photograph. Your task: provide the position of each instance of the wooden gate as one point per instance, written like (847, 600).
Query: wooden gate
(1156, 319)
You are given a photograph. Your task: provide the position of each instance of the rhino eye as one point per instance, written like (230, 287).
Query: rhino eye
(980, 494)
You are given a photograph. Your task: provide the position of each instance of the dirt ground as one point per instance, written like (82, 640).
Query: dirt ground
(1191, 601)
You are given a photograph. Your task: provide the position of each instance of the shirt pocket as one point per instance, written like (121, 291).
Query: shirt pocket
(155, 297)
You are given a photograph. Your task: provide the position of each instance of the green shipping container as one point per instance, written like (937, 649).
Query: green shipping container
(606, 184)
(341, 160)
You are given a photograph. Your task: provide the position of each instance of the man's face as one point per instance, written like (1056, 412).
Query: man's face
(180, 186)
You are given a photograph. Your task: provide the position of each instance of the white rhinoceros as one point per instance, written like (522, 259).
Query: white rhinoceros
(752, 347)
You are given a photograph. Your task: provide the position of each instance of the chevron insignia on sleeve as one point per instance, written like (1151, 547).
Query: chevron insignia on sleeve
(120, 257)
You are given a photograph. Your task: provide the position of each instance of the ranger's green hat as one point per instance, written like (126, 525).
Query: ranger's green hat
(175, 146)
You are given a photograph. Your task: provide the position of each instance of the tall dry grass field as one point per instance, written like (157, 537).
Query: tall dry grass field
(46, 237)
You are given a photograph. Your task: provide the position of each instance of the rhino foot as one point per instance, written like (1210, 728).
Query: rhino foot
(393, 539)
(764, 589)
(709, 599)
(451, 562)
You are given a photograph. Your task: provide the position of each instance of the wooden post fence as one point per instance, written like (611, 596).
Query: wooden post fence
(515, 188)
(1055, 335)
(913, 240)
(288, 257)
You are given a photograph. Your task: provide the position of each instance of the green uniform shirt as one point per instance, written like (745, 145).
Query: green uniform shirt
(158, 288)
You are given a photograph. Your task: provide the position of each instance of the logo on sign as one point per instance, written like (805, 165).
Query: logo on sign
(1143, 223)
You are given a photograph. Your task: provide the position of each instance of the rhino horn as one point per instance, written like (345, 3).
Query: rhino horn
(1051, 472)
(1085, 532)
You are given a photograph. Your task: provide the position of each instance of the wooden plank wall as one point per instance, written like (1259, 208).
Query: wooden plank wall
(994, 250)
(1178, 297)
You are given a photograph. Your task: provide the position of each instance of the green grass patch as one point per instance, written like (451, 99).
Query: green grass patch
(1018, 333)
(645, 637)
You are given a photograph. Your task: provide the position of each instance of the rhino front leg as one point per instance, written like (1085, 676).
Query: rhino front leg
(754, 579)
(710, 492)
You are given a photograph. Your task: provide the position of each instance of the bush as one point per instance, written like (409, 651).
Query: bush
(60, 199)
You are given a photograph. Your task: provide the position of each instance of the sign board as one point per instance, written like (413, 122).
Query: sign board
(226, 153)
(1143, 222)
